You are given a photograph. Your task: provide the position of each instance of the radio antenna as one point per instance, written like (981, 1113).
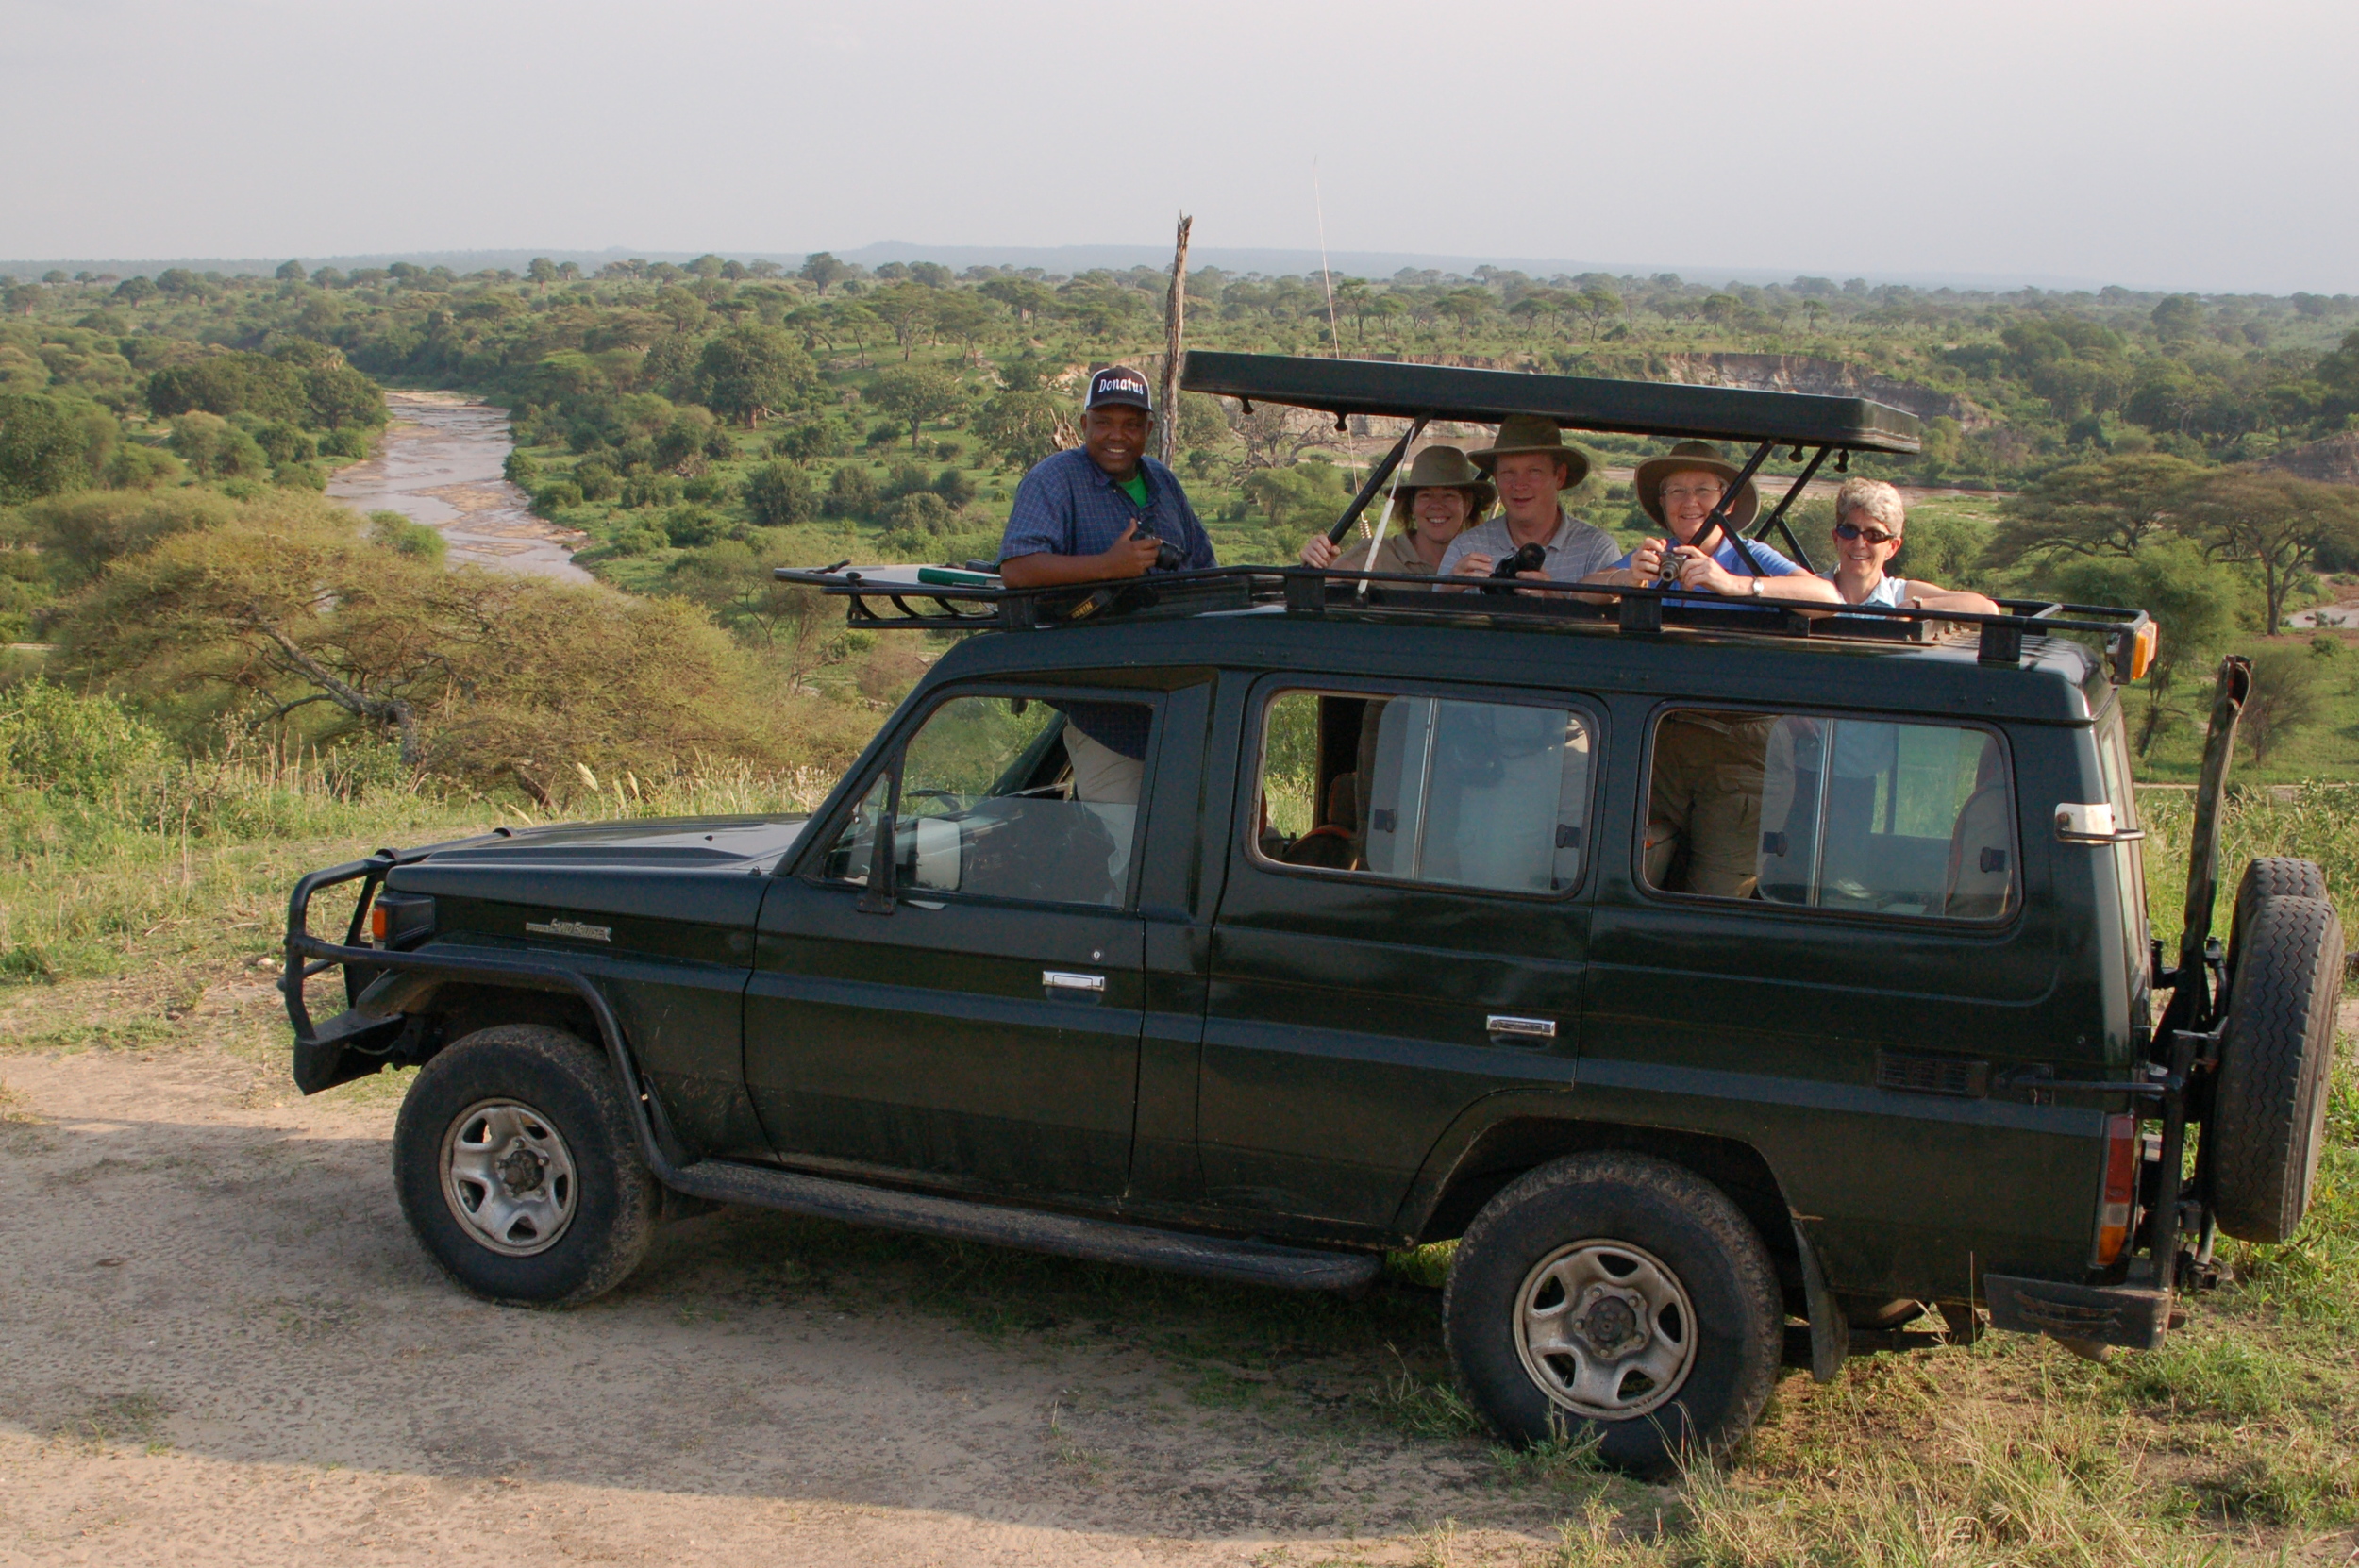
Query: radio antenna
(1326, 273)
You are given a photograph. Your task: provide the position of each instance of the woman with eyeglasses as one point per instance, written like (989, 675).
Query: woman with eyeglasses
(1869, 519)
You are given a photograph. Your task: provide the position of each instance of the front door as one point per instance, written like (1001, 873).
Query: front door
(1401, 936)
(981, 1030)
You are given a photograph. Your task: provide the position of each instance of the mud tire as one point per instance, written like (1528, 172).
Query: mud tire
(615, 1202)
(1697, 1234)
(2268, 1105)
(2269, 876)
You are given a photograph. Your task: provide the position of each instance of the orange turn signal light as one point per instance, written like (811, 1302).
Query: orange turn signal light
(2150, 637)
(2121, 1188)
(380, 927)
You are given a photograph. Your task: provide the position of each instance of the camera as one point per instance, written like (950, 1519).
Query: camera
(1530, 557)
(1167, 557)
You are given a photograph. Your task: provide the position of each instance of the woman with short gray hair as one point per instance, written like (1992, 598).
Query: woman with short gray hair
(1869, 523)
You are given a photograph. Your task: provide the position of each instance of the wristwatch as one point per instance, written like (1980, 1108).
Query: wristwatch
(1754, 591)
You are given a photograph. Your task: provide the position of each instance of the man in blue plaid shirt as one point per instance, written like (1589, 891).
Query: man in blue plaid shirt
(1099, 514)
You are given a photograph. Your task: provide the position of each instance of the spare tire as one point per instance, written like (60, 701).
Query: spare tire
(2270, 877)
(2268, 1107)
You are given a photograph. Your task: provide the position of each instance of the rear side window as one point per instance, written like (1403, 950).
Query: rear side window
(1862, 815)
(1423, 789)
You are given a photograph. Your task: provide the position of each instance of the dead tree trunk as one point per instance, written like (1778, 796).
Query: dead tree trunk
(1175, 324)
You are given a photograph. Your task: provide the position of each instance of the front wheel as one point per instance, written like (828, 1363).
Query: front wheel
(1620, 1295)
(519, 1169)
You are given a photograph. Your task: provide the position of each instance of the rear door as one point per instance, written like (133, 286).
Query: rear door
(1394, 940)
(981, 1030)
(1828, 946)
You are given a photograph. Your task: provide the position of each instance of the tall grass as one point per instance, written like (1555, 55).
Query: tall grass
(143, 846)
(2316, 821)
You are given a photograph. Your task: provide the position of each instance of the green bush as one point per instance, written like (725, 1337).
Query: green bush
(53, 741)
(705, 487)
(350, 442)
(217, 449)
(135, 467)
(558, 495)
(522, 469)
(689, 526)
(299, 476)
(780, 495)
(921, 513)
(851, 492)
(403, 536)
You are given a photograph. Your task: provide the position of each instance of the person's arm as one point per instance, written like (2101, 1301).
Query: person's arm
(1460, 561)
(1927, 595)
(1699, 570)
(1129, 557)
(1318, 551)
(1645, 566)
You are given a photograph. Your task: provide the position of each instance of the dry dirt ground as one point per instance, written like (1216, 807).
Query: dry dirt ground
(219, 1343)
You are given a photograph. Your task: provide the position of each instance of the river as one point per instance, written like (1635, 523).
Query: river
(442, 463)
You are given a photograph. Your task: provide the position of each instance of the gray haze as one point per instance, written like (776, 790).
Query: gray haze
(2157, 144)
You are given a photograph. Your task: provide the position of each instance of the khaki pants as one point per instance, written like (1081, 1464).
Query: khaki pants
(1102, 776)
(1706, 800)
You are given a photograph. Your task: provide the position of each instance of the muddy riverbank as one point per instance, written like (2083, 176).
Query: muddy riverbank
(442, 463)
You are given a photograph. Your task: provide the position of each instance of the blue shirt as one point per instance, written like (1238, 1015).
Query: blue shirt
(1769, 565)
(1068, 506)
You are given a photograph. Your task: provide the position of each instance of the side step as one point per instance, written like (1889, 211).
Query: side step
(957, 1219)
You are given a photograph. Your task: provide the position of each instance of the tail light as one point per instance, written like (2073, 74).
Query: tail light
(2119, 1210)
(400, 920)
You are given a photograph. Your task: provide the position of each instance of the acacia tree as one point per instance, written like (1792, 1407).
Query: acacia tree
(751, 372)
(2106, 507)
(821, 268)
(917, 394)
(2270, 521)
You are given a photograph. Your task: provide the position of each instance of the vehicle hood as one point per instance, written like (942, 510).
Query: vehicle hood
(686, 842)
(641, 882)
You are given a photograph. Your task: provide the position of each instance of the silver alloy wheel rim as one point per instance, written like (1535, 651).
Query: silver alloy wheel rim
(508, 1178)
(1605, 1329)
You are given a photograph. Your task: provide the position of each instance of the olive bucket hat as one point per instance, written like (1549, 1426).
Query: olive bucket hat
(1533, 433)
(1440, 468)
(1692, 457)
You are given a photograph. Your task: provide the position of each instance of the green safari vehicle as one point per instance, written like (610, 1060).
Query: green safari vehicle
(1404, 938)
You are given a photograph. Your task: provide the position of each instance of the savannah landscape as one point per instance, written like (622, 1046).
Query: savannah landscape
(219, 1343)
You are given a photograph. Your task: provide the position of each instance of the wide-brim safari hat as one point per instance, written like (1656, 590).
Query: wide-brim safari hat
(1692, 457)
(1532, 433)
(1440, 468)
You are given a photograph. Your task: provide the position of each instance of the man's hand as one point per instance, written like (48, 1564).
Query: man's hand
(1131, 555)
(1533, 577)
(1318, 551)
(1472, 566)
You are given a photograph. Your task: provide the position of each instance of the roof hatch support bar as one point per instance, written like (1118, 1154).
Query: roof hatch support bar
(1794, 492)
(1377, 477)
(1719, 514)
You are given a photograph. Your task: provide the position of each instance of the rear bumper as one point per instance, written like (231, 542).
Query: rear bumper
(2123, 1315)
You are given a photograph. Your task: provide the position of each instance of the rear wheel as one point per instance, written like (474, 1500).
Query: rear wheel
(519, 1169)
(1620, 1295)
(2268, 1106)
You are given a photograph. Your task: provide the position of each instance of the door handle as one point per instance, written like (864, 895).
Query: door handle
(1065, 980)
(1521, 1031)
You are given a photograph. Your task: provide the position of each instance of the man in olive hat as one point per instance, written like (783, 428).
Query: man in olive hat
(1531, 464)
(1435, 501)
(1679, 491)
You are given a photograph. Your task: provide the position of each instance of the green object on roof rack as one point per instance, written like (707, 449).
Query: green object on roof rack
(1575, 402)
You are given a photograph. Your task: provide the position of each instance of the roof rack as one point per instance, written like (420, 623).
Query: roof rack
(897, 598)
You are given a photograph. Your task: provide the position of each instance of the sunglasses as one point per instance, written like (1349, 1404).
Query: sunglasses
(1849, 531)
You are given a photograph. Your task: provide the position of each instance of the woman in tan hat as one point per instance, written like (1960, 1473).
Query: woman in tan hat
(1439, 497)
(1679, 491)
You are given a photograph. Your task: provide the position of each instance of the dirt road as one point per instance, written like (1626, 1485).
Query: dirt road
(219, 1344)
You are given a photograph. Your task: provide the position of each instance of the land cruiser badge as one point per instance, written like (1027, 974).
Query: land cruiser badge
(569, 928)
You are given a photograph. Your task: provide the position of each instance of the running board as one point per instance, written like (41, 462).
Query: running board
(1066, 1236)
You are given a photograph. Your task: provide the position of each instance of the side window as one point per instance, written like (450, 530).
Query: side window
(1864, 815)
(1477, 795)
(1011, 798)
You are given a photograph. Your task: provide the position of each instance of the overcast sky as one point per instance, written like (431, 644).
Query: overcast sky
(2205, 146)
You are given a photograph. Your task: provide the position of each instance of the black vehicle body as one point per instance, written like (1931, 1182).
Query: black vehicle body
(1266, 1071)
